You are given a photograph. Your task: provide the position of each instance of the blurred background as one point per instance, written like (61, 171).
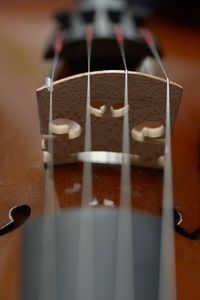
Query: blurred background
(178, 10)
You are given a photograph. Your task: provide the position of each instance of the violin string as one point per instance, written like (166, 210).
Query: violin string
(86, 265)
(48, 286)
(167, 277)
(50, 194)
(124, 285)
(58, 46)
(87, 166)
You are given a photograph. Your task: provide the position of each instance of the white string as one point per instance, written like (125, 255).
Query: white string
(87, 166)
(167, 277)
(124, 284)
(48, 271)
(86, 260)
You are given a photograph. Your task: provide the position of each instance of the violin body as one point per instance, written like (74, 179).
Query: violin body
(22, 165)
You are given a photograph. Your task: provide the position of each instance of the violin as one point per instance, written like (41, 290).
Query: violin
(93, 202)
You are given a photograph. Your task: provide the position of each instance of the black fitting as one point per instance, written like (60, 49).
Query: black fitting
(114, 16)
(63, 19)
(88, 16)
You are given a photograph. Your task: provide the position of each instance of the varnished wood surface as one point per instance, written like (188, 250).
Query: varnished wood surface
(24, 32)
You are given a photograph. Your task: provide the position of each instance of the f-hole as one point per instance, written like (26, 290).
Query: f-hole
(195, 235)
(18, 215)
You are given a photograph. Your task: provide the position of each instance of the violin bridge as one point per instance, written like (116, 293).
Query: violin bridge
(146, 108)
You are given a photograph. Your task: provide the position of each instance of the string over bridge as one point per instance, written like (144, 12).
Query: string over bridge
(146, 104)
